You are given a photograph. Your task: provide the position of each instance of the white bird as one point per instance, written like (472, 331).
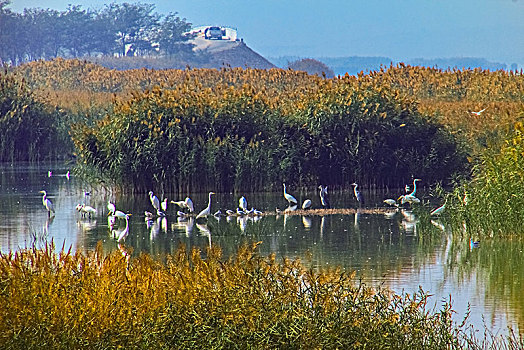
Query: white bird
(356, 192)
(49, 173)
(86, 210)
(477, 113)
(163, 205)
(324, 200)
(230, 212)
(414, 187)
(289, 197)
(154, 200)
(242, 203)
(207, 210)
(47, 203)
(189, 204)
(306, 204)
(68, 174)
(111, 208)
(439, 210)
(408, 198)
(391, 202)
(121, 215)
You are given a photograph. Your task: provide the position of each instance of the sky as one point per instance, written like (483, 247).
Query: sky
(397, 29)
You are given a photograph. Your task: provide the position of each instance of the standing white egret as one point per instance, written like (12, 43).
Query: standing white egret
(324, 200)
(207, 210)
(163, 205)
(154, 200)
(358, 195)
(242, 203)
(189, 204)
(413, 193)
(306, 204)
(111, 208)
(47, 203)
(289, 197)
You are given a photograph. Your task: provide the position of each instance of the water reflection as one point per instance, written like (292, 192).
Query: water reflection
(392, 246)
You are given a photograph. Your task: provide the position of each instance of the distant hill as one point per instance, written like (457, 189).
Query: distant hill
(356, 64)
(206, 54)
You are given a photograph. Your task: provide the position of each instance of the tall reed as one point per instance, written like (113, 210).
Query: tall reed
(96, 300)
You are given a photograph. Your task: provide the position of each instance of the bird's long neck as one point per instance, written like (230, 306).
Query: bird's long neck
(414, 188)
(209, 202)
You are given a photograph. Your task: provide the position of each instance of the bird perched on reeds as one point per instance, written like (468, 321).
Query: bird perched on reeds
(207, 210)
(289, 197)
(324, 199)
(47, 203)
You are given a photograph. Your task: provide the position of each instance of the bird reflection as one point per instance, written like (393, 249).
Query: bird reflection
(120, 235)
(45, 229)
(242, 223)
(204, 230)
(307, 222)
(155, 228)
(86, 225)
(111, 221)
(357, 217)
(184, 225)
(322, 226)
(438, 225)
(410, 221)
(163, 222)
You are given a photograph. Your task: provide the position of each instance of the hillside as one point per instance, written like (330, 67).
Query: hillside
(206, 54)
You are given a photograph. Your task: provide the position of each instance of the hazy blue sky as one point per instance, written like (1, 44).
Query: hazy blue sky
(399, 29)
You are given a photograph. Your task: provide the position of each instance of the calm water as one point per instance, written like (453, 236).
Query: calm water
(392, 250)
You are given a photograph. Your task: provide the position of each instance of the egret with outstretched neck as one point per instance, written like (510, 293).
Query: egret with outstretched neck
(47, 203)
(356, 192)
(289, 197)
(206, 211)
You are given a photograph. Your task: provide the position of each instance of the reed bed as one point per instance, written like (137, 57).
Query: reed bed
(492, 203)
(91, 300)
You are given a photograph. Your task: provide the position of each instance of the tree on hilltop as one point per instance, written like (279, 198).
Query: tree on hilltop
(312, 67)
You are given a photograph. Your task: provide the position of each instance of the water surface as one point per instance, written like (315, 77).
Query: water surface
(392, 249)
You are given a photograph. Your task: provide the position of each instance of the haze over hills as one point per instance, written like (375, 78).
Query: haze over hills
(355, 64)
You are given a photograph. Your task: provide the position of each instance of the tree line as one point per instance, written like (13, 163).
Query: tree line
(125, 29)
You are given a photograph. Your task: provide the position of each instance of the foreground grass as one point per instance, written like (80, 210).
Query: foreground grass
(96, 301)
